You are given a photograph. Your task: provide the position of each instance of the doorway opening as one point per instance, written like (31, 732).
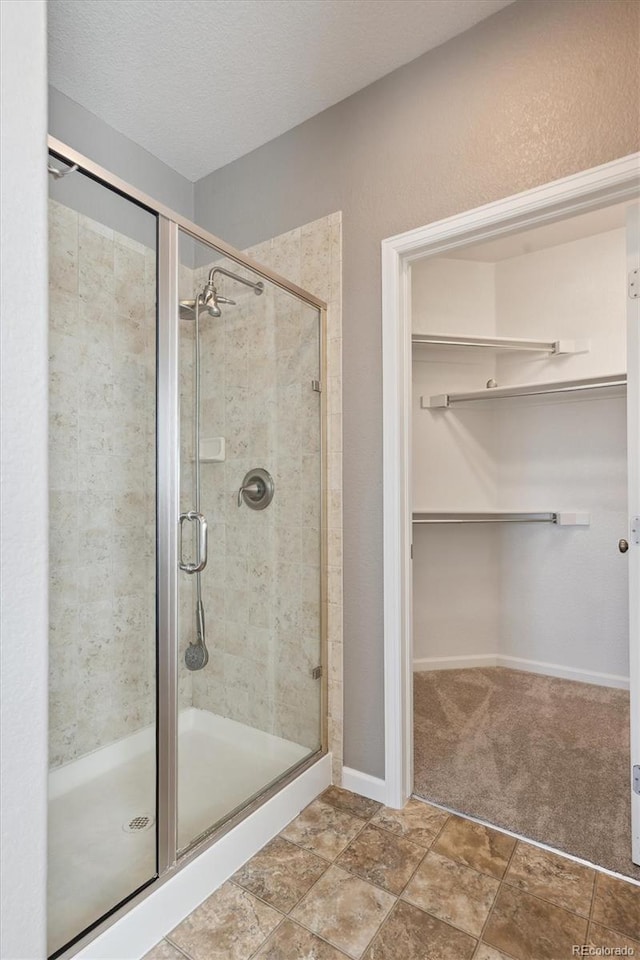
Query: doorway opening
(511, 635)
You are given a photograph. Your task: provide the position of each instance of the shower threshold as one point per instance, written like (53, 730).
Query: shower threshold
(102, 809)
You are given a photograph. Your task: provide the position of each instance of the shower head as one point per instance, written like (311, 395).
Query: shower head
(212, 301)
(187, 309)
(208, 301)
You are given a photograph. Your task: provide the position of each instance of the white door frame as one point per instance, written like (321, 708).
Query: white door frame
(633, 446)
(610, 183)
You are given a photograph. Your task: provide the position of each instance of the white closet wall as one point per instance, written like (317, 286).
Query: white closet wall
(539, 594)
(454, 467)
(564, 591)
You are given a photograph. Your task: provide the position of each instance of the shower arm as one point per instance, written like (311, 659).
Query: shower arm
(257, 287)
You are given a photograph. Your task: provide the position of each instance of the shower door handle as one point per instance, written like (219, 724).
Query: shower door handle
(202, 541)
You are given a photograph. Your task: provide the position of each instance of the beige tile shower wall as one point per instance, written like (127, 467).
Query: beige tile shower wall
(102, 485)
(261, 583)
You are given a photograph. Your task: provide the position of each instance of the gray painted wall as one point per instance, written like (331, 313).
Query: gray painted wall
(90, 135)
(536, 92)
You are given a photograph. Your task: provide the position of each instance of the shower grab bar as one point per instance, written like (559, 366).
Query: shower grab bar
(202, 542)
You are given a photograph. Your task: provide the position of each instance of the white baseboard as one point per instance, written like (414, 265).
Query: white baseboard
(363, 783)
(137, 931)
(455, 663)
(519, 663)
(565, 673)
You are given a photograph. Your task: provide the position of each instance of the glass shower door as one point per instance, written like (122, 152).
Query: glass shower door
(250, 649)
(186, 542)
(102, 482)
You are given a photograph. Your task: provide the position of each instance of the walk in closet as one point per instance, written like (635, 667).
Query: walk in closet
(519, 487)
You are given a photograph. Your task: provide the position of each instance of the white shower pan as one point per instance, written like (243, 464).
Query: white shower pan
(102, 841)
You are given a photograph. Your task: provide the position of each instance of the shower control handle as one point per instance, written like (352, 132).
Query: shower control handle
(202, 541)
(256, 489)
(253, 490)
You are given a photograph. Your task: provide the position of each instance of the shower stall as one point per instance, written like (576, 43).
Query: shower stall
(187, 541)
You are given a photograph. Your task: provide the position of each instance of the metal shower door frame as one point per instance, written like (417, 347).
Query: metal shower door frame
(170, 226)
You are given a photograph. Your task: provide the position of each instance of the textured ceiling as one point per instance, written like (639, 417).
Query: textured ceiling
(199, 83)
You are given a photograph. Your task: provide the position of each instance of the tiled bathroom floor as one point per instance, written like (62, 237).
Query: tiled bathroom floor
(350, 878)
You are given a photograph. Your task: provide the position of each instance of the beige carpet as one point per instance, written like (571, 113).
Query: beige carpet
(546, 758)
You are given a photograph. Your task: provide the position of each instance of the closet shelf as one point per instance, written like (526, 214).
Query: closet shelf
(526, 390)
(557, 347)
(560, 518)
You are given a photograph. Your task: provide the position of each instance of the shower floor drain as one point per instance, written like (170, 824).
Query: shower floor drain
(142, 822)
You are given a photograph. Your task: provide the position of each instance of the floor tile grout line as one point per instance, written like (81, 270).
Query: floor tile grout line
(268, 937)
(373, 883)
(531, 841)
(364, 822)
(593, 906)
(501, 950)
(541, 900)
(334, 863)
(285, 913)
(321, 937)
(393, 833)
(463, 863)
(591, 919)
(366, 879)
(400, 896)
(359, 876)
(345, 810)
(551, 903)
(381, 926)
(503, 879)
(448, 923)
(318, 935)
(426, 852)
(184, 953)
(497, 893)
(310, 850)
(331, 863)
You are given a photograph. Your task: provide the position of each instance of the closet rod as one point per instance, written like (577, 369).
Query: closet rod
(485, 517)
(527, 390)
(562, 518)
(503, 343)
